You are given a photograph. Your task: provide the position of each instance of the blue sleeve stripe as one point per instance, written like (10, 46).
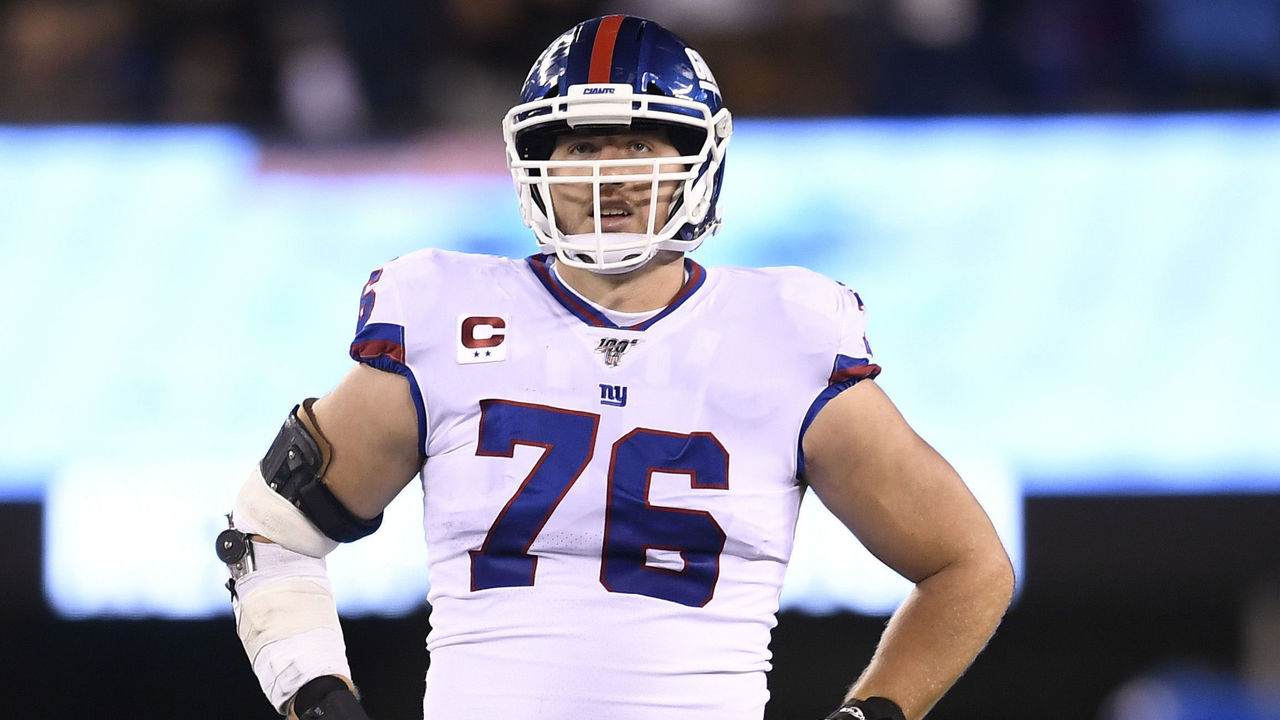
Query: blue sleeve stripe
(845, 373)
(377, 340)
(847, 367)
(387, 364)
(381, 346)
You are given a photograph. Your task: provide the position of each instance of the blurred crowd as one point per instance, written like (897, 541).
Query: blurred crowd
(347, 70)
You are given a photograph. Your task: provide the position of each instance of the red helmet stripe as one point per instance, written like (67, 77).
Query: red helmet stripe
(602, 50)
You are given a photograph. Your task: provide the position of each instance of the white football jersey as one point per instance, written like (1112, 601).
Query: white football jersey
(609, 510)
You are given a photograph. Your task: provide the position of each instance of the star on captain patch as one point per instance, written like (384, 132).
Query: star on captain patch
(613, 348)
(481, 339)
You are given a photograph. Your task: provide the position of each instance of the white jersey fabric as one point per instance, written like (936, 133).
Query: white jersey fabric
(608, 511)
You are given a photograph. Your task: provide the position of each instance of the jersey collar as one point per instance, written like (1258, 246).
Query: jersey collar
(569, 300)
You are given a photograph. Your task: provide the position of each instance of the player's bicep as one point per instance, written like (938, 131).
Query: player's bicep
(889, 487)
(372, 424)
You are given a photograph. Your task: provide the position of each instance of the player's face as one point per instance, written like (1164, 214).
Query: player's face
(624, 206)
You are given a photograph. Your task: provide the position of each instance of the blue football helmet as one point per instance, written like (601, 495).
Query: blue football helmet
(609, 75)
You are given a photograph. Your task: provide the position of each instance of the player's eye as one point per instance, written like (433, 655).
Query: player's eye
(640, 146)
(581, 148)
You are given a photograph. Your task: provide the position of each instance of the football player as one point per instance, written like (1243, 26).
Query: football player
(613, 441)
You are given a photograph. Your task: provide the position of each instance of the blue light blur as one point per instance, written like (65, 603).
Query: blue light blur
(1087, 304)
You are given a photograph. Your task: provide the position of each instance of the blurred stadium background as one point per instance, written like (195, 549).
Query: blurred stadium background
(1064, 216)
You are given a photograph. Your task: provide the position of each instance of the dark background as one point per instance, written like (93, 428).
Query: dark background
(1114, 588)
(351, 71)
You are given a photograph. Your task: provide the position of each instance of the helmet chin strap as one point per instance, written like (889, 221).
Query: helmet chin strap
(609, 248)
(601, 252)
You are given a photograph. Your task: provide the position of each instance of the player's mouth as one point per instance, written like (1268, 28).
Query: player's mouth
(615, 216)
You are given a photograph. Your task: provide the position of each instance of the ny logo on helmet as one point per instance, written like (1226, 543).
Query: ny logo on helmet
(702, 70)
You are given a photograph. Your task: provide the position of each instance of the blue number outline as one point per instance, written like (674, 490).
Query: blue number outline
(623, 562)
(504, 554)
(503, 559)
(367, 299)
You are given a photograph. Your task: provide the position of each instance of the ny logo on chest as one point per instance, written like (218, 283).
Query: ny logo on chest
(613, 395)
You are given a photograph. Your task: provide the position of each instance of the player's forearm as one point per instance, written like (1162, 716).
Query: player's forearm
(934, 636)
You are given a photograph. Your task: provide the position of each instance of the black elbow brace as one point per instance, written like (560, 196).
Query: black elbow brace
(294, 466)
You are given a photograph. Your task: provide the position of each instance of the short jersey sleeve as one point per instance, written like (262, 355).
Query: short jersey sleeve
(851, 362)
(380, 324)
(380, 336)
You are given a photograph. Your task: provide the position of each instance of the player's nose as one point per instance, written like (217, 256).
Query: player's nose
(611, 151)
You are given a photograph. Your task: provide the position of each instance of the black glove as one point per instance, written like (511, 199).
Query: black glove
(873, 708)
(327, 697)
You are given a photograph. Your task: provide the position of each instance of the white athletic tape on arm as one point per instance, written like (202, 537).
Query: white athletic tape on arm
(282, 675)
(288, 622)
(286, 607)
(259, 510)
